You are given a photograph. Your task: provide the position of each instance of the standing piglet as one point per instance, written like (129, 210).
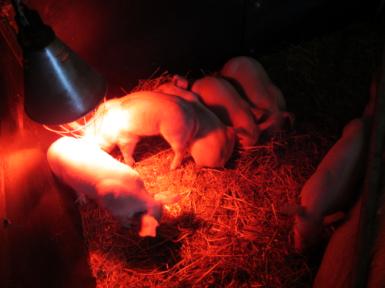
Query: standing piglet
(226, 103)
(266, 99)
(331, 188)
(92, 172)
(123, 121)
(213, 144)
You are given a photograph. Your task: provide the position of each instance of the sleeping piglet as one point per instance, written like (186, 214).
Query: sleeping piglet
(92, 172)
(226, 103)
(268, 103)
(213, 143)
(331, 188)
(124, 120)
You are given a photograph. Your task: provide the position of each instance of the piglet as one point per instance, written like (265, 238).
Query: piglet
(337, 266)
(213, 143)
(226, 103)
(331, 188)
(266, 99)
(92, 172)
(124, 121)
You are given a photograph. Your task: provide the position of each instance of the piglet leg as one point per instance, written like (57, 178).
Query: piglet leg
(178, 157)
(179, 146)
(127, 148)
(272, 124)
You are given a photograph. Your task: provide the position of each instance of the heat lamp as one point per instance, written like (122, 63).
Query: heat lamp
(59, 86)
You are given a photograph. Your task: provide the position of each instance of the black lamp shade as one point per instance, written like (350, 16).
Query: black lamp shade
(59, 86)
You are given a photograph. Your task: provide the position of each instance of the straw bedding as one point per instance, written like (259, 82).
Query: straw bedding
(229, 229)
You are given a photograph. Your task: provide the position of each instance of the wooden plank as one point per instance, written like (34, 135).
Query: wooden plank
(4, 243)
(46, 247)
(42, 245)
(372, 187)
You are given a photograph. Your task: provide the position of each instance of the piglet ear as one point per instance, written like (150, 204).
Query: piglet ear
(148, 226)
(259, 114)
(180, 81)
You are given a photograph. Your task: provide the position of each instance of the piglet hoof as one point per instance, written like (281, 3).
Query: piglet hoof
(129, 161)
(148, 226)
(176, 161)
(173, 166)
(81, 200)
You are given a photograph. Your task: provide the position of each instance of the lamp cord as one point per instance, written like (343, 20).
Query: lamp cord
(18, 6)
